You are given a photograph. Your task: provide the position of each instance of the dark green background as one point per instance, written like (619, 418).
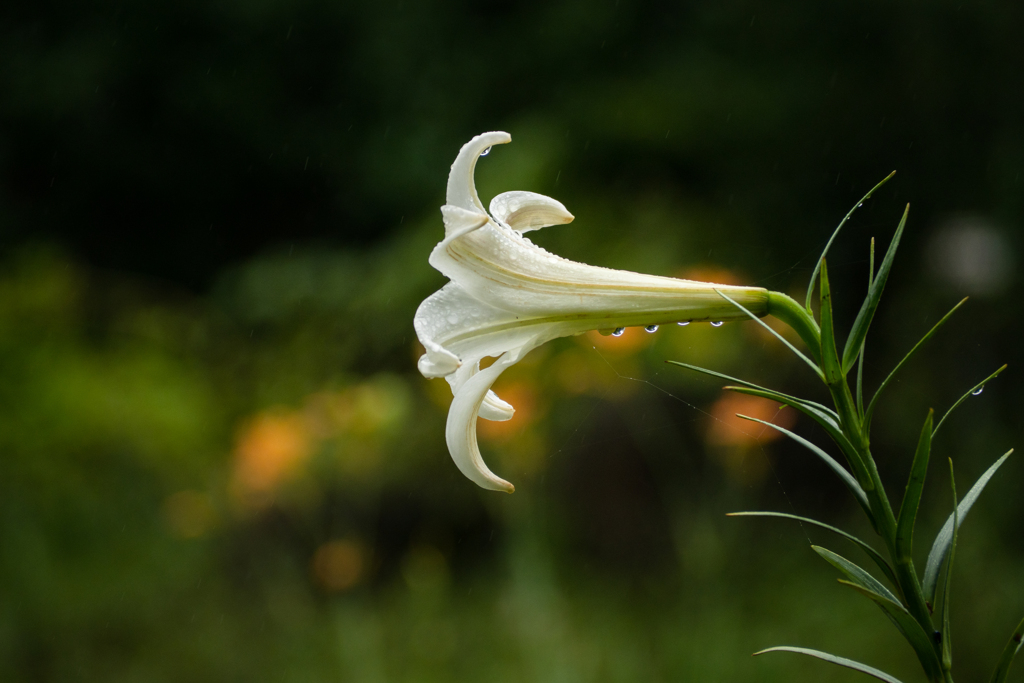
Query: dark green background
(211, 212)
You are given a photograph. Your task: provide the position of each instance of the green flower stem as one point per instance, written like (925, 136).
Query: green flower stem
(786, 309)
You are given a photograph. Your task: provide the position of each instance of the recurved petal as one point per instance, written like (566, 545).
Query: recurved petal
(526, 211)
(460, 430)
(493, 408)
(461, 186)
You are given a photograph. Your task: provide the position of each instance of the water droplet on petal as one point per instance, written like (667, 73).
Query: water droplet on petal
(485, 152)
(683, 324)
(618, 331)
(651, 328)
(453, 319)
(977, 391)
(717, 324)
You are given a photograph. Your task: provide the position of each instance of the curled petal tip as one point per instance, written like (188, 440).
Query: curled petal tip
(461, 184)
(460, 430)
(525, 211)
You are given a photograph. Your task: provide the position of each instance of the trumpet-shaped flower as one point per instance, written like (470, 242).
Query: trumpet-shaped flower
(508, 296)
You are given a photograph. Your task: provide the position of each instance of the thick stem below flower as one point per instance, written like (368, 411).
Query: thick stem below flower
(786, 309)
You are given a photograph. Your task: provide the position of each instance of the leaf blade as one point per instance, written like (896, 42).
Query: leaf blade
(834, 659)
(871, 552)
(860, 356)
(824, 253)
(829, 355)
(885, 383)
(867, 310)
(842, 472)
(1009, 652)
(912, 494)
(855, 573)
(970, 392)
(945, 536)
(909, 627)
(751, 385)
(947, 641)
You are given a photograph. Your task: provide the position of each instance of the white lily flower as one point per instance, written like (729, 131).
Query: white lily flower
(507, 296)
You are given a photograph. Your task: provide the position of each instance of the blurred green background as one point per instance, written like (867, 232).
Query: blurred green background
(217, 459)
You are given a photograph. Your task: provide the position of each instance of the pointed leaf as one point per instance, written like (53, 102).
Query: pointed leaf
(810, 363)
(780, 397)
(829, 355)
(860, 356)
(872, 553)
(912, 495)
(935, 328)
(827, 422)
(867, 310)
(1009, 652)
(824, 253)
(973, 391)
(841, 661)
(947, 641)
(843, 473)
(856, 575)
(945, 536)
(909, 627)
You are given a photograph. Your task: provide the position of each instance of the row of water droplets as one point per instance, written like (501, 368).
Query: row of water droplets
(618, 332)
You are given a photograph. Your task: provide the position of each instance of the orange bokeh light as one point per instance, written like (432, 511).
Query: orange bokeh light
(726, 429)
(269, 448)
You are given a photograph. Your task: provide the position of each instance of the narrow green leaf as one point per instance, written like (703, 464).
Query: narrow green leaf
(857, 575)
(829, 355)
(947, 640)
(810, 363)
(912, 495)
(867, 310)
(935, 328)
(1009, 652)
(945, 536)
(871, 552)
(909, 627)
(860, 356)
(831, 427)
(843, 473)
(779, 396)
(841, 661)
(829, 424)
(973, 391)
(824, 253)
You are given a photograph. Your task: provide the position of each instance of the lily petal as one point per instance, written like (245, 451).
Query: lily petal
(460, 430)
(461, 188)
(525, 211)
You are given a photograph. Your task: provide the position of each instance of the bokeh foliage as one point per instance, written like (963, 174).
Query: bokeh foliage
(217, 461)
